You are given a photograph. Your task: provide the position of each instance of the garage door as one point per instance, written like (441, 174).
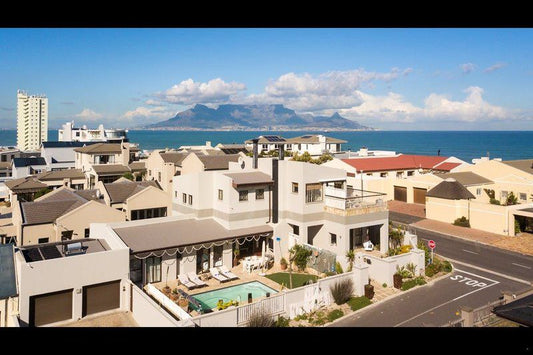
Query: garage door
(101, 297)
(50, 308)
(419, 195)
(400, 193)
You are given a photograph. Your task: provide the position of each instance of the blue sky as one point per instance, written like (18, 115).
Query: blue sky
(407, 78)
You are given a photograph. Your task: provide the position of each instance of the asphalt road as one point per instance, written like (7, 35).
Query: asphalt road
(435, 304)
(484, 256)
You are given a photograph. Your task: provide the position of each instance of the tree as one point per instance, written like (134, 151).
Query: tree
(298, 255)
(350, 255)
(128, 176)
(41, 192)
(511, 199)
(395, 236)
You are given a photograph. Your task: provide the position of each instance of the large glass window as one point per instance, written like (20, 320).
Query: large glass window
(217, 255)
(243, 195)
(202, 260)
(153, 269)
(313, 193)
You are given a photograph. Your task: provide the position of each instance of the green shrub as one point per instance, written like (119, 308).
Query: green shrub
(335, 314)
(446, 266)
(260, 319)
(356, 303)
(300, 256)
(384, 285)
(516, 227)
(301, 317)
(511, 199)
(413, 282)
(41, 192)
(128, 176)
(494, 201)
(282, 322)
(342, 291)
(330, 273)
(427, 254)
(338, 268)
(462, 222)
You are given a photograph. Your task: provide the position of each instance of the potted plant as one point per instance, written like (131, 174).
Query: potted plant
(283, 264)
(369, 290)
(236, 253)
(166, 290)
(398, 280)
(183, 303)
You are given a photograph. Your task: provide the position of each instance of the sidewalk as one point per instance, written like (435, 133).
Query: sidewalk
(523, 243)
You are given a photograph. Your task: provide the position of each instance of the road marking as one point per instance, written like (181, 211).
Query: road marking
(527, 267)
(469, 273)
(444, 304)
(489, 271)
(468, 251)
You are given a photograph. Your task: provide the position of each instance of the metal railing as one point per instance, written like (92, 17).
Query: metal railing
(352, 198)
(273, 306)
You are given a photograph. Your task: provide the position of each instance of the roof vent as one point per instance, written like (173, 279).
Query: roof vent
(450, 180)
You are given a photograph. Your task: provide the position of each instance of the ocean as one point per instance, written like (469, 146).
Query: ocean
(465, 145)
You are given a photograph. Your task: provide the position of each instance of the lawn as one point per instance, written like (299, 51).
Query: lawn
(297, 279)
(356, 303)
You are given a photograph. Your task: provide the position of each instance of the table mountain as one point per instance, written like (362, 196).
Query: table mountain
(254, 117)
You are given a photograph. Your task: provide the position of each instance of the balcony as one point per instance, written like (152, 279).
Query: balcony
(348, 201)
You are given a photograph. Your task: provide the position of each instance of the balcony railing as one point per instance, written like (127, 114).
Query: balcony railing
(353, 199)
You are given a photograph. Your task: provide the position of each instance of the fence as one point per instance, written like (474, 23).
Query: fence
(273, 306)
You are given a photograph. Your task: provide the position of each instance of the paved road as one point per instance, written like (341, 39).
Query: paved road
(435, 304)
(403, 218)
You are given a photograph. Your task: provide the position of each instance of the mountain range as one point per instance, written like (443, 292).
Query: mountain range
(254, 117)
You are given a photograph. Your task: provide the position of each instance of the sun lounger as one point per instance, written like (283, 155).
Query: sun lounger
(217, 275)
(186, 282)
(224, 271)
(195, 279)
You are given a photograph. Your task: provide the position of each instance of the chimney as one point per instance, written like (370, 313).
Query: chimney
(254, 142)
(281, 152)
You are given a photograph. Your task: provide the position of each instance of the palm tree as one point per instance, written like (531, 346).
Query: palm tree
(350, 255)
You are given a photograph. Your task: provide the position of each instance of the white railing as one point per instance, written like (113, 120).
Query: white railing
(335, 192)
(272, 305)
(167, 302)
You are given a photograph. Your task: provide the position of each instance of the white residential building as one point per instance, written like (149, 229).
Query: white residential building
(32, 120)
(315, 145)
(69, 133)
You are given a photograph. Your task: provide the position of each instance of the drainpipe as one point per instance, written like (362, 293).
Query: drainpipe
(254, 163)
(281, 152)
(275, 191)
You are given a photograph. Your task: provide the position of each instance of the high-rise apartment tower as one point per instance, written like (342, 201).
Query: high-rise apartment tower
(32, 120)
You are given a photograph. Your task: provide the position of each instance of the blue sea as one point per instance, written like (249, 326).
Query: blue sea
(466, 145)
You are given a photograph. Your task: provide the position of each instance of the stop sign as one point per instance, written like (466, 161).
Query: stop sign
(431, 244)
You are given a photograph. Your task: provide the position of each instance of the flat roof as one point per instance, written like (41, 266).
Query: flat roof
(181, 233)
(56, 250)
(250, 178)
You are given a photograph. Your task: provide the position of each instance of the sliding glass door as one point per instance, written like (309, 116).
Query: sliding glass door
(153, 269)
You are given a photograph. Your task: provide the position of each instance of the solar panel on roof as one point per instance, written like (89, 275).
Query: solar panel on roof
(50, 252)
(32, 255)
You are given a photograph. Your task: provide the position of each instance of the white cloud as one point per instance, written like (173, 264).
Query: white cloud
(152, 114)
(189, 92)
(393, 108)
(467, 68)
(89, 115)
(494, 67)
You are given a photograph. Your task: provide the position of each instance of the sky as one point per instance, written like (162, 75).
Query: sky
(386, 78)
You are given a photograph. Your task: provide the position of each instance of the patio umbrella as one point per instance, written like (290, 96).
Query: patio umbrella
(263, 258)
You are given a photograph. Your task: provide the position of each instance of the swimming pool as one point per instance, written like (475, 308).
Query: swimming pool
(209, 299)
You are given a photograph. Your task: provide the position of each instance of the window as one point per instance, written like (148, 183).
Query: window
(217, 255)
(265, 146)
(295, 187)
(369, 174)
(383, 174)
(190, 199)
(410, 173)
(333, 239)
(478, 191)
(523, 196)
(504, 195)
(313, 193)
(259, 194)
(399, 174)
(295, 229)
(43, 240)
(184, 197)
(66, 235)
(243, 195)
(220, 194)
(153, 269)
(159, 176)
(87, 232)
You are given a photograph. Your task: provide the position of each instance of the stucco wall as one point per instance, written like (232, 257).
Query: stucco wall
(150, 197)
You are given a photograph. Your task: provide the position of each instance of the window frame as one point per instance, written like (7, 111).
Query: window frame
(243, 193)
(294, 184)
(262, 194)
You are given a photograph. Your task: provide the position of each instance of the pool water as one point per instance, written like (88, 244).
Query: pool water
(209, 300)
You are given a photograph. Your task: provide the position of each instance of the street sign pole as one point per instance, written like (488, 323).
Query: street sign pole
(432, 245)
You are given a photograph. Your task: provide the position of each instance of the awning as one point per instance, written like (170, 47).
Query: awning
(250, 178)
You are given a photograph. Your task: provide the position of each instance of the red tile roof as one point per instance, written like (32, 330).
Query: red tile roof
(446, 166)
(399, 162)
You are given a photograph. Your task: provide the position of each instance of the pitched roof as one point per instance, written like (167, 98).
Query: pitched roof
(313, 139)
(250, 178)
(446, 166)
(137, 166)
(47, 211)
(466, 178)
(62, 144)
(98, 148)
(174, 157)
(525, 165)
(450, 189)
(268, 139)
(20, 162)
(120, 191)
(61, 174)
(399, 162)
(92, 194)
(172, 234)
(25, 183)
(110, 169)
(217, 162)
(519, 311)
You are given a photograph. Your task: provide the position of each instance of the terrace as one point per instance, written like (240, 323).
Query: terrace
(346, 201)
